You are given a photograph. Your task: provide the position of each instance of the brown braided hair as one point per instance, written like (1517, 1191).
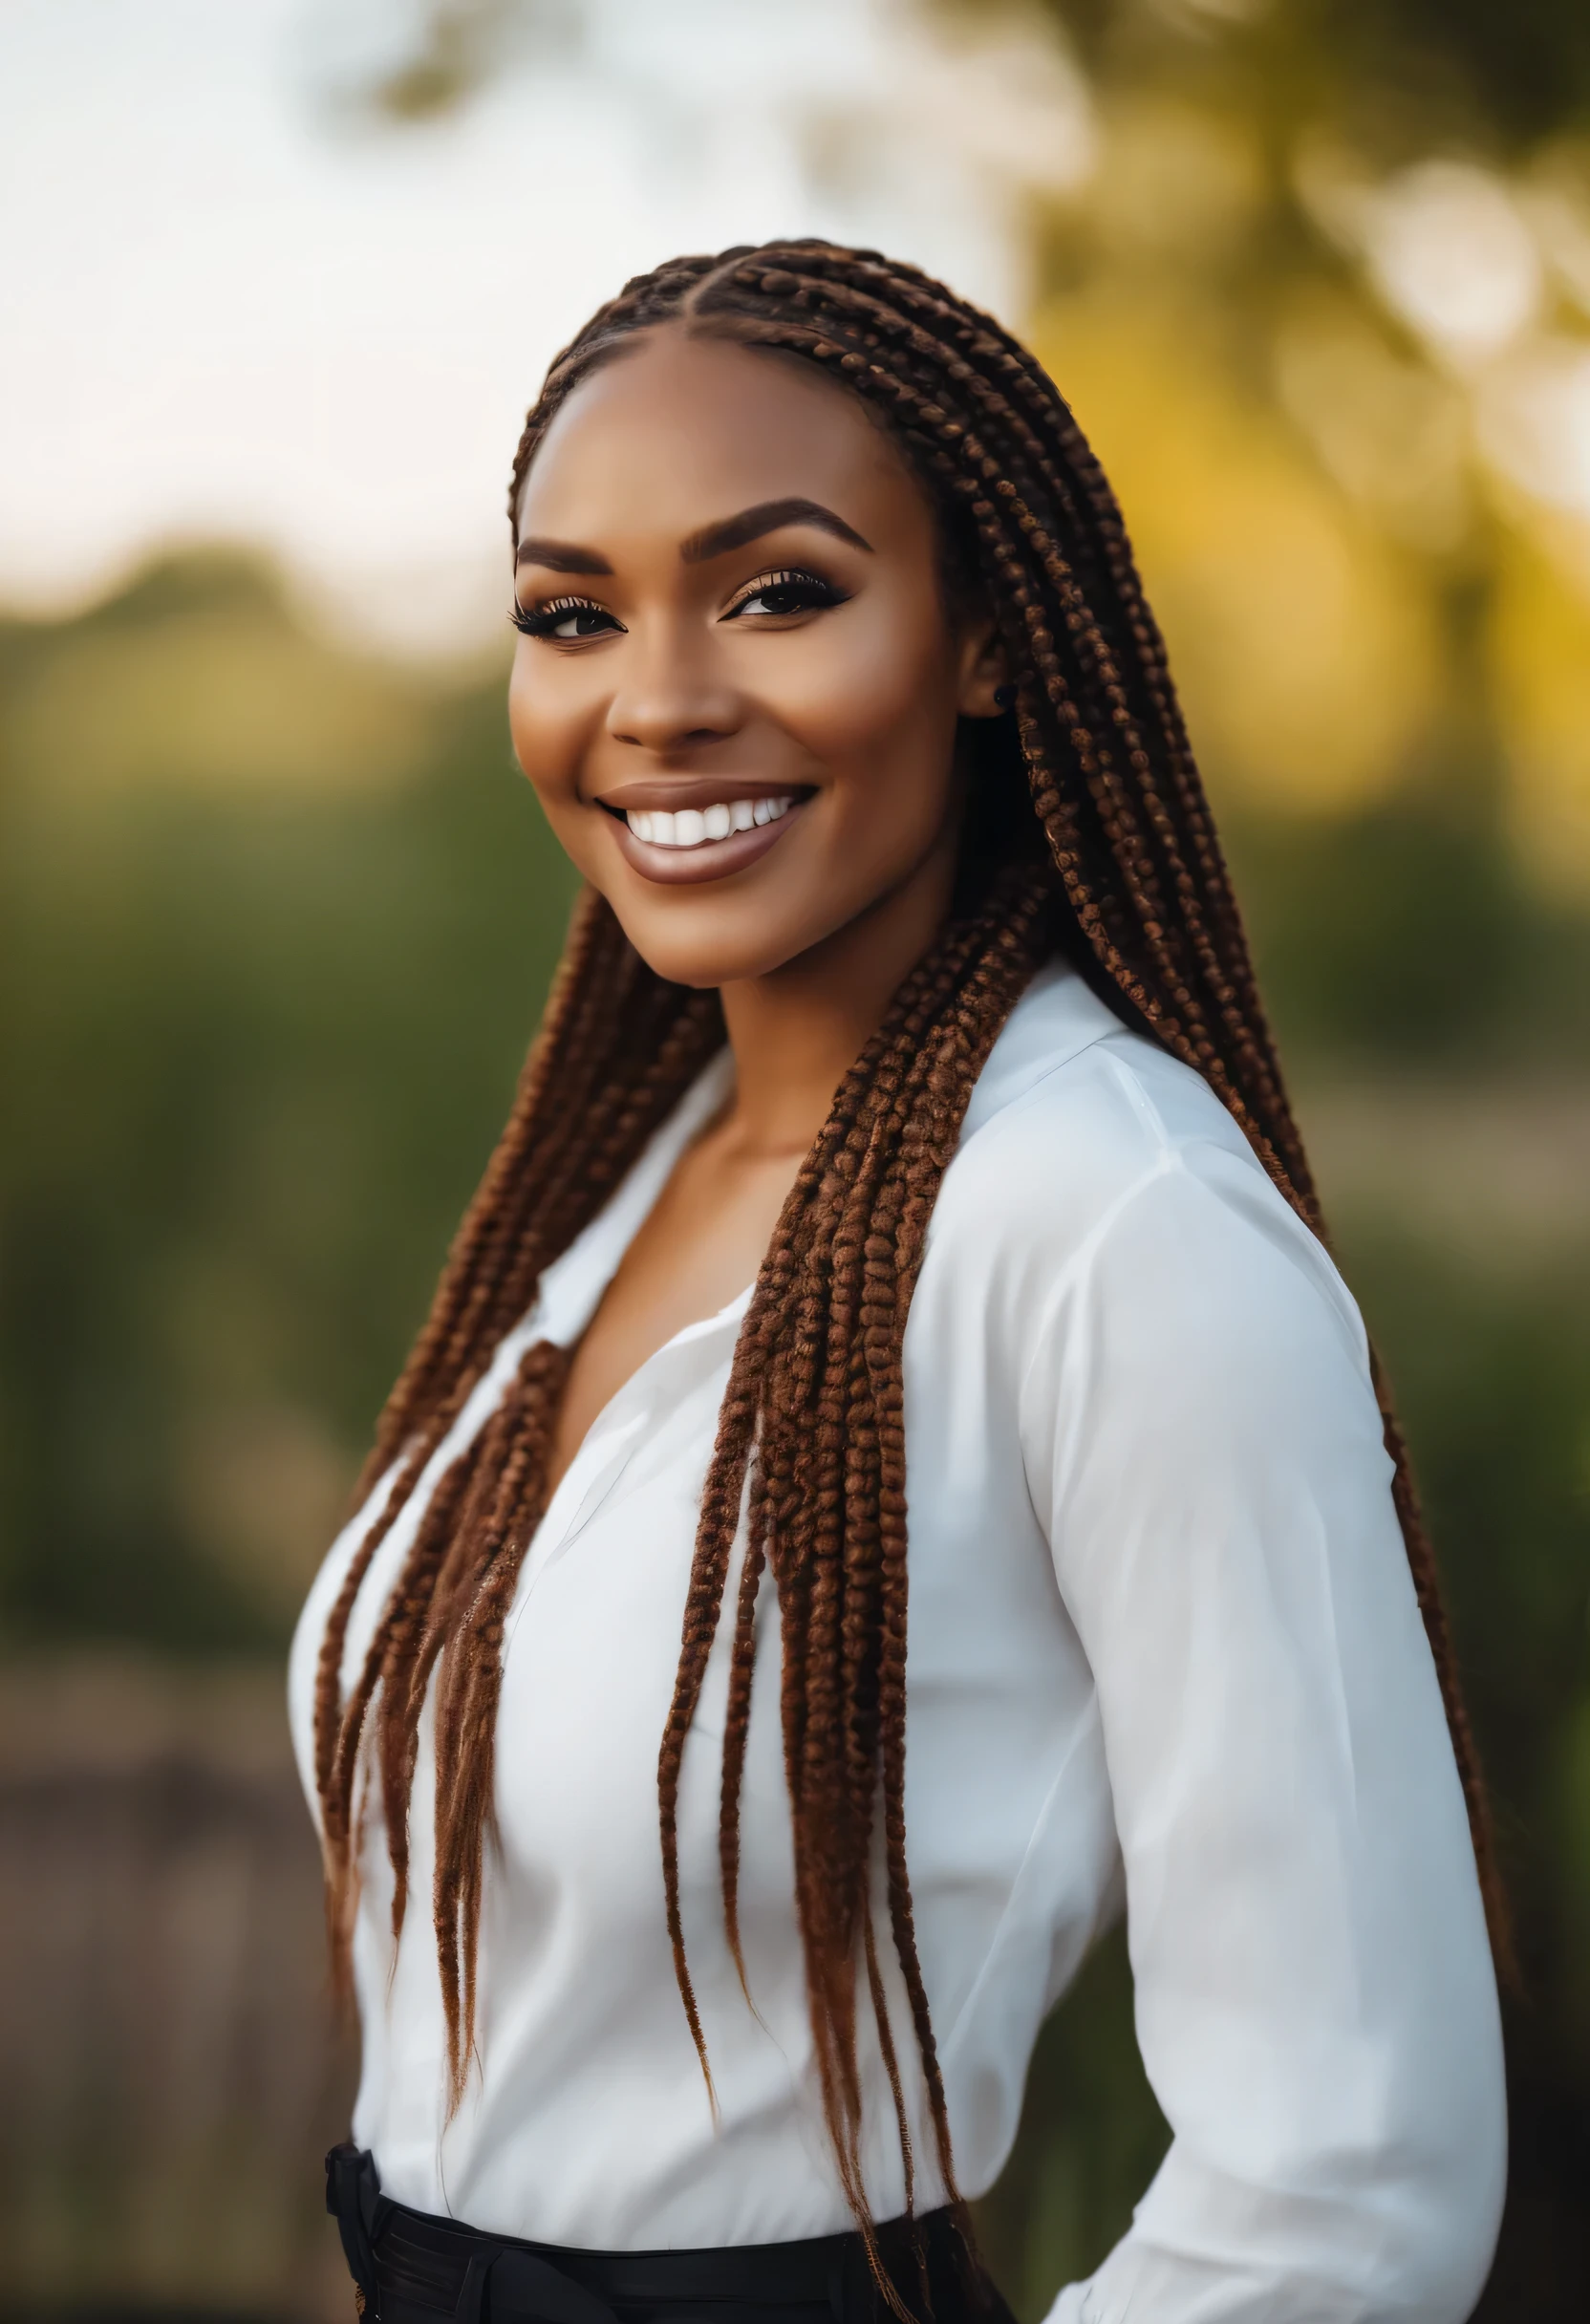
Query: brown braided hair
(1088, 828)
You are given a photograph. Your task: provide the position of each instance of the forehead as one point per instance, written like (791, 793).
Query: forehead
(690, 430)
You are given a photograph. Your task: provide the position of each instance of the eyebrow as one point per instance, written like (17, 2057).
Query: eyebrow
(561, 558)
(730, 532)
(768, 516)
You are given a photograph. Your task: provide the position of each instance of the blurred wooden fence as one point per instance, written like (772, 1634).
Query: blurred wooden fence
(170, 2066)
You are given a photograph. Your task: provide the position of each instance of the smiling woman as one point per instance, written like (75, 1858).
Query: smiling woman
(795, 652)
(901, 1205)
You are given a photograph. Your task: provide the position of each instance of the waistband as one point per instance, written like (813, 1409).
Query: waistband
(409, 2268)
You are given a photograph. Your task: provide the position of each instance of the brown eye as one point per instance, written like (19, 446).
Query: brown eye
(783, 594)
(564, 618)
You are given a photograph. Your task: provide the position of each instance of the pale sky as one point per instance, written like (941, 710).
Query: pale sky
(234, 310)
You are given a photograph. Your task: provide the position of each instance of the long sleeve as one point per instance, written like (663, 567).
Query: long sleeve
(1315, 2001)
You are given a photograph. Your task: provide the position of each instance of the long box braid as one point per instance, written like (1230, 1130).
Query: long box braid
(1095, 834)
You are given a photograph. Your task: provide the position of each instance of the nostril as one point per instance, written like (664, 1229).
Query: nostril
(689, 737)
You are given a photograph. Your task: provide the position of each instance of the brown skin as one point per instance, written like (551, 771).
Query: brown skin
(673, 681)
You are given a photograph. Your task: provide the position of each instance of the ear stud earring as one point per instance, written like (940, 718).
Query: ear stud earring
(1004, 696)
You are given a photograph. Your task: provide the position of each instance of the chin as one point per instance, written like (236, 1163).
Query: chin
(706, 966)
(685, 948)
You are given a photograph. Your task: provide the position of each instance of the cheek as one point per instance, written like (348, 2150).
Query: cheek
(547, 733)
(550, 730)
(525, 723)
(875, 693)
(549, 739)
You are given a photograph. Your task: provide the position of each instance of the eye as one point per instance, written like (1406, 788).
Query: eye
(564, 618)
(773, 596)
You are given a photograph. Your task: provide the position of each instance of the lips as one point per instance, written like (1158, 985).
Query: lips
(699, 837)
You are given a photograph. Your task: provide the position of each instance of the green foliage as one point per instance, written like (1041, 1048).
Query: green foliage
(1405, 934)
(1404, 74)
(1523, 70)
(255, 1051)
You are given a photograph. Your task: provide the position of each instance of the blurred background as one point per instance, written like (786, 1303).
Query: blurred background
(277, 913)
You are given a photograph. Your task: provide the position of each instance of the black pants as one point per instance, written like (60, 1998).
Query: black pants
(410, 2268)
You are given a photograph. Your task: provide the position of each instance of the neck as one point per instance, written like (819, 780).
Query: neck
(796, 1034)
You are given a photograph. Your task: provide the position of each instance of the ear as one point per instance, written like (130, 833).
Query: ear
(984, 669)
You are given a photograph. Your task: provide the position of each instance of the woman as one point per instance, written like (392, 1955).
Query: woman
(901, 1201)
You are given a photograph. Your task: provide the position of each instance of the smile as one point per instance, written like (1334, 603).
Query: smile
(690, 826)
(679, 846)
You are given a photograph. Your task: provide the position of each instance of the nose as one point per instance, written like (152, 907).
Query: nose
(668, 700)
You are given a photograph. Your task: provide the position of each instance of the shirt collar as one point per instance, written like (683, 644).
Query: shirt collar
(1056, 1018)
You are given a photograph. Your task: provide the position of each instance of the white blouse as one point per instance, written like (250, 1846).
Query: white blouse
(1164, 1653)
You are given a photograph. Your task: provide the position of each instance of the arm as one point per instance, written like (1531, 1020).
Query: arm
(1315, 2000)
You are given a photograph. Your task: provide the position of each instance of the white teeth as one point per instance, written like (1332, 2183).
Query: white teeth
(691, 827)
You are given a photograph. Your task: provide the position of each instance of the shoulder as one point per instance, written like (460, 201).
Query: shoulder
(1094, 1166)
(1075, 1110)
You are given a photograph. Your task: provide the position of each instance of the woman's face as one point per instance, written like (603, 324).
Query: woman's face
(738, 693)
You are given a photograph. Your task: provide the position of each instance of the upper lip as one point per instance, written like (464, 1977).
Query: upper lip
(676, 791)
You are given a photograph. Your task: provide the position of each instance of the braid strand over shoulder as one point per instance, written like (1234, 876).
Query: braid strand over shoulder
(1116, 856)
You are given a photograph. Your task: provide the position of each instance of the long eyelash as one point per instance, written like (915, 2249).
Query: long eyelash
(788, 576)
(541, 620)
